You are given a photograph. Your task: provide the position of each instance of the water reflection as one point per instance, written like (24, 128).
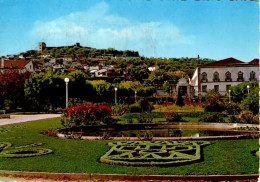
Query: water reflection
(169, 132)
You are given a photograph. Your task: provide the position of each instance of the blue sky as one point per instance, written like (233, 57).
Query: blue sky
(155, 28)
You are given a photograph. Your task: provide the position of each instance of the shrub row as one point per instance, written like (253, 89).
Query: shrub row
(244, 117)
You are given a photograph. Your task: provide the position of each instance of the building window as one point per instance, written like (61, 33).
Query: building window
(228, 77)
(240, 76)
(252, 76)
(204, 77)
(216, 88)
(204, 88)
(228, 87)
(216, 77)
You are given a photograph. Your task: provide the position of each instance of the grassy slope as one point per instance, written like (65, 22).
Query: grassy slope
(221, 157)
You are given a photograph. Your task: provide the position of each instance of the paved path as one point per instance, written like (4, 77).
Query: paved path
(23, 118)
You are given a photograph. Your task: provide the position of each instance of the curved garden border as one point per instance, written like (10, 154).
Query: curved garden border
(121, 177)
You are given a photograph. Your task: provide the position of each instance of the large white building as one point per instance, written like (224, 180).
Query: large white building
(222, 74)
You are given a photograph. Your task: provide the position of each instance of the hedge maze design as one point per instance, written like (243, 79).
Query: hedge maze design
(22, 151)
(153, 153)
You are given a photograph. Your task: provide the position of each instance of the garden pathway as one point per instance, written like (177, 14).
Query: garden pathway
(23, 118)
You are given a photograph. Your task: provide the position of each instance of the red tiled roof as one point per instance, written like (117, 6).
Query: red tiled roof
(254, 61)
(227, 61)
(15, 64)
(82, 57)
(97, 59)
(72, 70)
(178, 72)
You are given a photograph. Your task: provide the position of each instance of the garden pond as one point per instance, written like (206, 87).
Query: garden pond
(163, 130)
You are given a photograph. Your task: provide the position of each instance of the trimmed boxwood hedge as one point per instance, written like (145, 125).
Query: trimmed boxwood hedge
(155, 153)
(22, 151)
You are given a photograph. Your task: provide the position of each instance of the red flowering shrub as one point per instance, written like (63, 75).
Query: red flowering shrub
(102, 111)
(193, 104)
(173, 117)
(82, 115)
(12, 89)
(167, 104)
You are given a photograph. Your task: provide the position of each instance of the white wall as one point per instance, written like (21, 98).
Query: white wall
(233, 70)
(222, 76)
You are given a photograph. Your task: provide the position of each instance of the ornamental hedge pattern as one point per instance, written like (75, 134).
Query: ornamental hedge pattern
(22, 151)
(153, 153)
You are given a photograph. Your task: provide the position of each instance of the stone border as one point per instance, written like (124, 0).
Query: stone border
(159, 138)
(120, 177)
(216, 126)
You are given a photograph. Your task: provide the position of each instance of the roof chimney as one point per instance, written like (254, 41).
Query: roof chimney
(198, 59)
(2, 63)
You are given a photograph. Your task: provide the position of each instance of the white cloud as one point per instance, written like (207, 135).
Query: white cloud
(98, 28)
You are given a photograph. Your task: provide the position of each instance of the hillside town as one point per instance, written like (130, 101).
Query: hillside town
(116, 66)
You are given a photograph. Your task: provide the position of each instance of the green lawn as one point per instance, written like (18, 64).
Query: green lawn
(221, 157)
(185, 108)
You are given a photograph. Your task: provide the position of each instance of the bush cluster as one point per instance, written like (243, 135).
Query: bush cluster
(119, 109)
(82, 115)
(211, 118)
(145, 118)
(248, 117)
(231, 108)
(173, 117)
(141, 106)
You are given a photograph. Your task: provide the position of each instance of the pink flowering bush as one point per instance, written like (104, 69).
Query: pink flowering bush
(82, 115)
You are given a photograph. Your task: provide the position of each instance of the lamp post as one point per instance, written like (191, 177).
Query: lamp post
(135, 95)
(115, 95)
(67, 91)
(229, 95)
(248, 89)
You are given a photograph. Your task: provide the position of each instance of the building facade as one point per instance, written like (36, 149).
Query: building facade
(16, 65)
(222, 74)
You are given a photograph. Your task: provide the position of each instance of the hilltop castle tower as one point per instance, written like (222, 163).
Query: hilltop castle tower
(42, 46)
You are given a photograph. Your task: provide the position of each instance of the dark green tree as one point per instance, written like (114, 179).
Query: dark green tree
(251, 102)
(179, 101)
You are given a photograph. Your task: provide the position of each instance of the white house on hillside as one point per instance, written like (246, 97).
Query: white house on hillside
(222, 74)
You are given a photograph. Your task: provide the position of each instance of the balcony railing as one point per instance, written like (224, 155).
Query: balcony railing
(228, 80)
(252, 79)
(216, 80)
(204, 80)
